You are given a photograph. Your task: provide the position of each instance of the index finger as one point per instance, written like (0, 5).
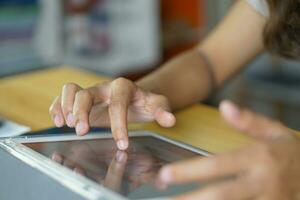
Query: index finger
(121, 94)
(116, 171)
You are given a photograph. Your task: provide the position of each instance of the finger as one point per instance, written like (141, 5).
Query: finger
(69, 164)
(79, 170)
(60, 159)
(255, 125)
(159, 106)
(99, 116)
(237, 189)
(204, 169)
(115, 172)
(57, 157)
(56, 112)
(120, 97)
(81, 109)
(67, 100)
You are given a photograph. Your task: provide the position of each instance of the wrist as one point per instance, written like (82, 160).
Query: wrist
(209, 68)
(149, 83)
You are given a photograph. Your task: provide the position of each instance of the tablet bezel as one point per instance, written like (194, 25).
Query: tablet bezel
(75, 182)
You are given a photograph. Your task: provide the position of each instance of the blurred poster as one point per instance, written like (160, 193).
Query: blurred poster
(18, 21)
(87, 27)
(112, 36)
(49, 39)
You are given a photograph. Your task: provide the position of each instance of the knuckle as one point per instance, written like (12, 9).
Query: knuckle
(122, 81)
(85, 94)
(117, 103)
(70, 86)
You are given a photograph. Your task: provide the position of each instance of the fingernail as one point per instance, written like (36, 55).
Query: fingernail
(70, 120)
(170, 118)
(165, 176)
(122, 144)
(58, 121)
(81, 128)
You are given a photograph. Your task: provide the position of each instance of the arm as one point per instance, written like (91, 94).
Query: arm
(182, 81)
(267, 168)
(233, 43)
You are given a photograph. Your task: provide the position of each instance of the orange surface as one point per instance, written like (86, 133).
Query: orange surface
(190, 11)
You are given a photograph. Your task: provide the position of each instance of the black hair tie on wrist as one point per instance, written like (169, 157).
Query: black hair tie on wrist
(210, 71)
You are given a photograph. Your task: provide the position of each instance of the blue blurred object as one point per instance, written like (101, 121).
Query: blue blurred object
(17, 2)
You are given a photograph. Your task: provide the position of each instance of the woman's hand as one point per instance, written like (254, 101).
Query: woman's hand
(266, 170)
(112, 104)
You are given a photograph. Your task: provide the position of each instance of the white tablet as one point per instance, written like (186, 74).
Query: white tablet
(93, 167)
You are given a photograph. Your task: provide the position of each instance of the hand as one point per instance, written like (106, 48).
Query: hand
(266, 170)
(80, 158)
(112, 103)
(108, 166)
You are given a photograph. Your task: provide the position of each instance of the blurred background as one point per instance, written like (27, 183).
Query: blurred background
(133, 37)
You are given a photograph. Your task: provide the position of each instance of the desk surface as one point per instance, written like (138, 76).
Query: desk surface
(26, 99)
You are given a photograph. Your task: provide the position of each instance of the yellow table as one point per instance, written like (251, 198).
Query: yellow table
(26, 98)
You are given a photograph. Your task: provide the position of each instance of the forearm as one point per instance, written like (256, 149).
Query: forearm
(184, 80)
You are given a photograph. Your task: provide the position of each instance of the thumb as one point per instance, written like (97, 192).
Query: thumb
(251, 123)
(158, 105)
(164, 118)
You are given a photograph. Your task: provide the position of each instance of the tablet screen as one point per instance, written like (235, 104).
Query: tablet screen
(130, 173)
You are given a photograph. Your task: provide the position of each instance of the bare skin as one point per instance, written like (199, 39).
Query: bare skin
(180, 82)
(119, 100)
(265, 170)
(262, 169)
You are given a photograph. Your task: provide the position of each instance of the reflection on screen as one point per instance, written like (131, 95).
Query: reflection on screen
(129, 173)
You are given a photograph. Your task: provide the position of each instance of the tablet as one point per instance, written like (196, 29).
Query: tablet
(93, 166)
